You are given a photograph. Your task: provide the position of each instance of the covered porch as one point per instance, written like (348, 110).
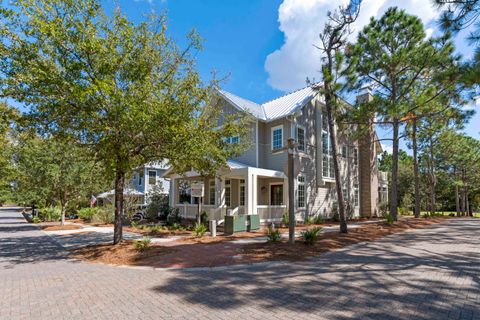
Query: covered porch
(236, 190)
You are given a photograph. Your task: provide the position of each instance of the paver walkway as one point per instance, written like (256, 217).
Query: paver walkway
(431, 273)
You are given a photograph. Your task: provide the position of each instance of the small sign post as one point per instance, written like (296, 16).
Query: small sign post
(197, 190)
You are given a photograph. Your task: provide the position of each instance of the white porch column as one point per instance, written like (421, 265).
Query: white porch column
(251, 192)
(285, 192)
(220, 191)
(172, 191)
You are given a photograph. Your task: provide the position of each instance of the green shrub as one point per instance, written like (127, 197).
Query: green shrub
(285, 219)
(311, 235)
(50, 214)
(389, 219)
(273, 235)
(134, 224)
(336, 217)
(36, 219)
(104, 215)
(87, 213)
(426, 215)
(199, 230)
(451, 214)
(383, 208)
(318, 219)
(173, 216)
(309, 220)
(142, 244)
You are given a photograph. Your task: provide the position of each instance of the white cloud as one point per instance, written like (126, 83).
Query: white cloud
(302, 20)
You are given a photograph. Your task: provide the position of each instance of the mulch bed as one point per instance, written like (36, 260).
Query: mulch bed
(57, 227)
(208, 251)
(330, 241)
(123, 253)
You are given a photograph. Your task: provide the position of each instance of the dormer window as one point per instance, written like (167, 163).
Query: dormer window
(277, 137)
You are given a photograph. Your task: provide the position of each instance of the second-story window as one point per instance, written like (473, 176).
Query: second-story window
(277, 137)
(355, 156)
(232, 140)
(344, 152)
(152, 177)
(301, 138)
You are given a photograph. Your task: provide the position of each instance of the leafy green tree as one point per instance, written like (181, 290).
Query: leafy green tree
(124, 90)
(54, 172)
(460, 157)
(7, 171)
(333, 42)
(459, 15)
(393, 57)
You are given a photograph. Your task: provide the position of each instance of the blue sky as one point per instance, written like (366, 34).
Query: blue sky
(265, 48)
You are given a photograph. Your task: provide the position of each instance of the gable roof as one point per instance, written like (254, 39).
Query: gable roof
(276, 108)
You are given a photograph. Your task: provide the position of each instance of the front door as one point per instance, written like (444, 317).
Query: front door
(276, 194)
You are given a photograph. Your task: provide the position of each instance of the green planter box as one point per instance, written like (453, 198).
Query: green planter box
(235, 224)
(253, 222)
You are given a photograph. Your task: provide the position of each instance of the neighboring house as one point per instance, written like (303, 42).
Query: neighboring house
(145, 180)
(149, 178)
(256, 182)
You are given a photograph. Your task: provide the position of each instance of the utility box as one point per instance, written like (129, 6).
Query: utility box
(235, 224)
(253, 222)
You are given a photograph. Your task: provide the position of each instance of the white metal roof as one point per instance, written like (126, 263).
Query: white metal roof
(246, 105)
(274, 109)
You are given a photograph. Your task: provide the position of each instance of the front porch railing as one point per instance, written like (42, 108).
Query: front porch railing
(271, 213)
(267, 213)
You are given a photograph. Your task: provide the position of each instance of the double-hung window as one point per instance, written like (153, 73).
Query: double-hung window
(301, 192)
(327, 158)
(344, 151)
(277, 137)
(301, 138)
(355, 194)
(211, 192)
(242, 192)
(152, 177)
(355, 156)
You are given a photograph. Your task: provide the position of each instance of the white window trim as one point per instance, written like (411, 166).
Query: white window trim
(270, 192)
(304, 137)
(271, 137)
(304, 191)
(156, 177)
(240, 185)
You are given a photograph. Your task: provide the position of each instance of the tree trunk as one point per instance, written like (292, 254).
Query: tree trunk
(336, 169)
(394, 191)
(432, 176)
(119, 186)
(416, 210)
(63, 213)
(457, 200)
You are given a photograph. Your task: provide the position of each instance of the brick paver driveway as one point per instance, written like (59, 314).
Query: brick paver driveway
(432, 273)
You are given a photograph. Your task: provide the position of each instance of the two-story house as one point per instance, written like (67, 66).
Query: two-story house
(256, 182)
